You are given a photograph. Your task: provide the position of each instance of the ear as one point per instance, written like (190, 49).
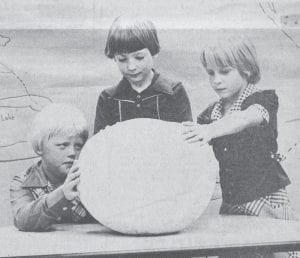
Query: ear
(39, 150)
(247, 74)
(155, 56)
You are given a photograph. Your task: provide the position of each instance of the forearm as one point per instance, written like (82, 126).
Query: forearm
(234, 123)
(39, 214)
(33, 216)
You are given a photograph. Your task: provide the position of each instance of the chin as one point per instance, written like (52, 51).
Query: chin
(134, 80)
(63, 173)
(224, 96)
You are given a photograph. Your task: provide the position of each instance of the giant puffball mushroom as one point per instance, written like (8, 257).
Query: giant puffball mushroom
(140, 177)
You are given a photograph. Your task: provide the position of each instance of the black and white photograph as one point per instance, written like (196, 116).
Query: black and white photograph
(147, 128)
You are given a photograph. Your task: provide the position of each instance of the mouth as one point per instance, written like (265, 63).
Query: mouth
(221, 89)
(69, 163)
(133, 75)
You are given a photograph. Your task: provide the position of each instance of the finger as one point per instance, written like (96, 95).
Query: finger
(72, 177)
(187, 130)
(74, 168)
(203, 142)
(73, 183)
(190, 135)
(74, 196)
(75, 176)
(194, 139)
(77, 197)
(188, 123)
(200, 139)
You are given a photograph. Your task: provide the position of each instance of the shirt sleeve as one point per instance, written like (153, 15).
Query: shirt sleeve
(102, 113)
(266, 102)
(182, 104)
(32, 214)
(263, 112)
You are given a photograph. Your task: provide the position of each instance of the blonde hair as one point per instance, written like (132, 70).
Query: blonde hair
(235, 51)
(54, 119)
(128, 34)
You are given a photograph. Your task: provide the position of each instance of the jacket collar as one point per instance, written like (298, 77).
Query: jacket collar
(36, 177)
(162, 85)
(158, 84)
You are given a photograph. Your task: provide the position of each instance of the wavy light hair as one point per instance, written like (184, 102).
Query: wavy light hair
(56, 119)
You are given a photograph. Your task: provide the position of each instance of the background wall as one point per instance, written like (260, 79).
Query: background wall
(53, 52)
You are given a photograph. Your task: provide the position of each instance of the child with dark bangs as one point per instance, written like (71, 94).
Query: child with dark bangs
(143, 92)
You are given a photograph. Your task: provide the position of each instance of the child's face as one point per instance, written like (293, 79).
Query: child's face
(226, 81)
(136, 66)
(58, 155)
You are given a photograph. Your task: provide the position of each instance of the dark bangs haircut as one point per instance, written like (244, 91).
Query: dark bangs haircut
(130, 35)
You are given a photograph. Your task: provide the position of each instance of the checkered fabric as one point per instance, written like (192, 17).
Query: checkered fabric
(217, 112)
(253, 208)
(78, 212)
(277, 199)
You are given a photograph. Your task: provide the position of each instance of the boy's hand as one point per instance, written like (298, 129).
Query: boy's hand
(193, 132)
(70, 185)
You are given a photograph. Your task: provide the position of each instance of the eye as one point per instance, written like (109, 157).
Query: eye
(224, 71)
(210, 72)
(62, 145)
(78, 146)
(139, 57)
(121, 60)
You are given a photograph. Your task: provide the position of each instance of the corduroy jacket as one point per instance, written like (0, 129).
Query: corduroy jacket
(163, 99)
(28, 193)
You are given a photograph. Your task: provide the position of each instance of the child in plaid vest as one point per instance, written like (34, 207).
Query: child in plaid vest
(46, 193)
(242, 129)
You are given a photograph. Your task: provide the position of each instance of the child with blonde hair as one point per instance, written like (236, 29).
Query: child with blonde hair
(242, 129)
(142, 92)
(46, 192)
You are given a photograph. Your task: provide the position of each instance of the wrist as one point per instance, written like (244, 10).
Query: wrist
(211, 131)
(54, 197)
(67, 194)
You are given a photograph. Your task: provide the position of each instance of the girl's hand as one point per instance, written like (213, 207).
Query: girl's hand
(70, 185)
(193, 132)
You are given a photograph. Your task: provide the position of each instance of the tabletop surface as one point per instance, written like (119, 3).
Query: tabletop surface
(207, 232)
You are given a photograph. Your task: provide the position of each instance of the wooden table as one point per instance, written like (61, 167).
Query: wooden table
(210, 235)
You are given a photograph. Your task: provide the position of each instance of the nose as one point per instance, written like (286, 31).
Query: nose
(217, 78)
(131, 65)
(72, 152)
